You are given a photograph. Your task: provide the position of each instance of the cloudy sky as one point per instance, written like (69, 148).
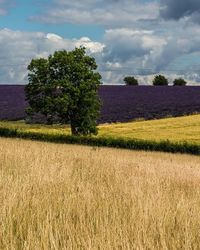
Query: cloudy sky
(127, 37)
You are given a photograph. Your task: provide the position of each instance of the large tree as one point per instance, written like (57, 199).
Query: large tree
(64, 86)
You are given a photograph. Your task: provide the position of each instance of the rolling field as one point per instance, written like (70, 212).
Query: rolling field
(57, 196)
(173, 129)
(177, 129)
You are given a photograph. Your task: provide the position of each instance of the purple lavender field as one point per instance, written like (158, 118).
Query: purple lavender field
(126, 103)
(12, 102)
(120, 103)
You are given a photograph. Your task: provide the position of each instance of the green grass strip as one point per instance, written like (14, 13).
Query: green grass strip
(133, 144)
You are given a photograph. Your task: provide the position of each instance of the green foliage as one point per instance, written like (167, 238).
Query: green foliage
(160, 80)
(134, 144)
(64, 86)
(130, 80)
(179, 82)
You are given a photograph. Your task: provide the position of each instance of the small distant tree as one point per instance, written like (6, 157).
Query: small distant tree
(179, 82)
(160, 80)
(130, 80)
(65, 86)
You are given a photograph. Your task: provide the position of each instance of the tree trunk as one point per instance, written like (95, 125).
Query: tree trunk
(74, 130)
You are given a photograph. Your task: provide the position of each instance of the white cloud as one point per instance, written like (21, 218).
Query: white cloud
(18, 48)
(124, 51)
(93, 47)
(146, 53)
(142, 37)
(108, 13)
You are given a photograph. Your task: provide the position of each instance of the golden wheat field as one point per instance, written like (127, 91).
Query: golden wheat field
(56, 196)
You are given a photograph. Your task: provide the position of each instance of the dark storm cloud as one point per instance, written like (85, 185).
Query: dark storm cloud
(176, 9)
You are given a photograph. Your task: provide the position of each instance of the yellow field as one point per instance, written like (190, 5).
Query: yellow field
(174, 129)
(56, 196)
(185, 128)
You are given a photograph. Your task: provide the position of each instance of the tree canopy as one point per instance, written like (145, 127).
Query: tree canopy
(160, 80)
(179, 82)
(65, 86)
(130, 80)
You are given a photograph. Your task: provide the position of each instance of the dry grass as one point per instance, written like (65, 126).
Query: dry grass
(72, 197)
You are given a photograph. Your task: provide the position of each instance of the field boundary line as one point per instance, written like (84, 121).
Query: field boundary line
(131, 144)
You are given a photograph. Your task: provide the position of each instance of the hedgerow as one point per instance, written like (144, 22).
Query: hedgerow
(134, 144)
